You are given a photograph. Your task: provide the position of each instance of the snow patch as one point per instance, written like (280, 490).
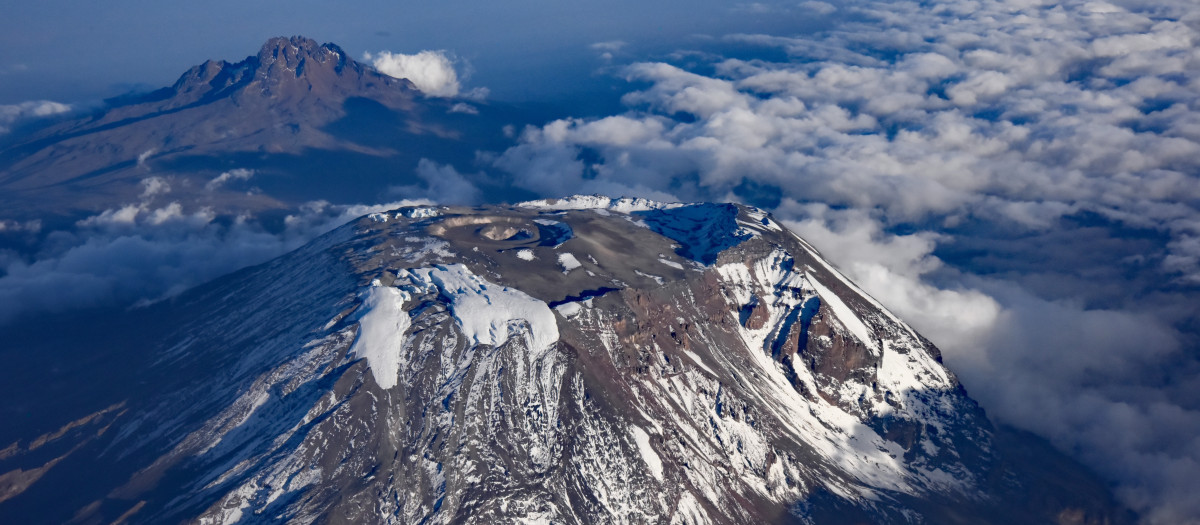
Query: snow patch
(689, 511)
(381, 333)
(490, 314)
(648, 454)
(419, 213)
(598, 202)
(912, 371)
(696, 359)
(568, 309)
(836, 434)
(838, 274)
(761, 221)
(656, 278)
(848, 318)
(554, 233)
(670, 263)
(568, 262)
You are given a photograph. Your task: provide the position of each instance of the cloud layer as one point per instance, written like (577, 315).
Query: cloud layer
(442, 183)
(229, 176)
(12, 114)
(143, 252)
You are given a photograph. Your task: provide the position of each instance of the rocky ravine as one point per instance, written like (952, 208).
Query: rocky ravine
(584, 360)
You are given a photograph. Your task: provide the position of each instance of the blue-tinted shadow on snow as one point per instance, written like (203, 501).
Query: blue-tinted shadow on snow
(583, 296)
(553, 233)
(702, 230)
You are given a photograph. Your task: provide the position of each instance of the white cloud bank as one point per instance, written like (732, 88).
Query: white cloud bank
(1038, 119)
(432, 72)
(443, 184)
(228, 176)
(13, 114)
(609, 48)
(993, 123)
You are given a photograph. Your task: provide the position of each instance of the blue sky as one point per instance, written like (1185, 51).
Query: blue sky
(72, 50)
(1020, 179)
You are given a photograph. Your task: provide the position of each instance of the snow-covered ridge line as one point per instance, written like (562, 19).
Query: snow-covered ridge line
(844, 314)
(915, 382)
(411, 212)
(487, 314)
(599, 202)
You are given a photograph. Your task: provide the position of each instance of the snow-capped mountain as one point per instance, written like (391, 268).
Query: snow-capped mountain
(585, 360)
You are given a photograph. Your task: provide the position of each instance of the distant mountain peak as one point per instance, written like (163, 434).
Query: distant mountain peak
(280, 56)
(315, 69)
(297, 43)
(280, 100)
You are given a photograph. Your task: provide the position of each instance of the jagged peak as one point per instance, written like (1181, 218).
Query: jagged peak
(289, 52)
(292, 51)
(276, 43)
(281, 61)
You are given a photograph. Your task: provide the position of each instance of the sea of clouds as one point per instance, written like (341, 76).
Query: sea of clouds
(12, 114)
(153, 249)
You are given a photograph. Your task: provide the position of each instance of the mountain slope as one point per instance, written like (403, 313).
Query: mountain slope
(313, 122)
(576, 361)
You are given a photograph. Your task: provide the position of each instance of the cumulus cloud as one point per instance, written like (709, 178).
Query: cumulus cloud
(463, 107)
(11, 226)
(1078, 377)
(1000, 128)
(432, 72)
(144, 156)
(153, 186)
(443, 184)
(822, 8)
(13, 114)
(228, 176)
(609, 48)
(1051, 148)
